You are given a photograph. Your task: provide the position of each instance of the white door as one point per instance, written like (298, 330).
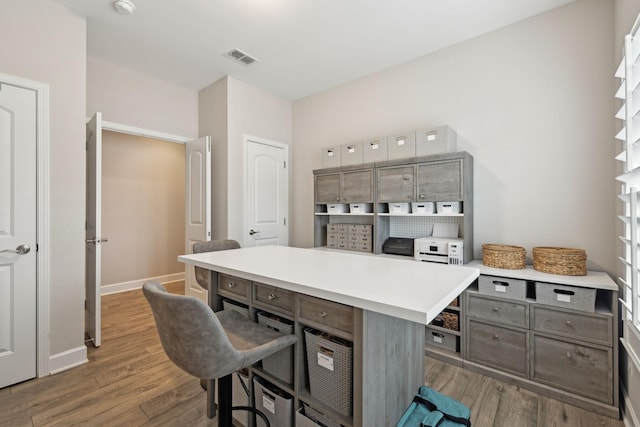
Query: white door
(267, 193)
(198, 205)
(18, 218)
(94, 239)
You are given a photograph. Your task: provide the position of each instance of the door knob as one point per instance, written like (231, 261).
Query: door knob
(20, 250)
(252, 232)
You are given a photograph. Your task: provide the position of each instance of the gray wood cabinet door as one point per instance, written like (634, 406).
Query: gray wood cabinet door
(440, 181)
(357, 186)
(328, 188)
(396, 184)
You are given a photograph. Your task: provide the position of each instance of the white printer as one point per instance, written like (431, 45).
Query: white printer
(443, 246)
(439, 249)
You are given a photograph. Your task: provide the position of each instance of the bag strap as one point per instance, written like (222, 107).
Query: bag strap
(432, 407)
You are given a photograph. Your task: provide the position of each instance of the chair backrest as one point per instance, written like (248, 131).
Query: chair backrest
(191, 334)
(202, 274)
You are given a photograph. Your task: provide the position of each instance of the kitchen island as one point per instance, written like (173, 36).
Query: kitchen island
(388, 303)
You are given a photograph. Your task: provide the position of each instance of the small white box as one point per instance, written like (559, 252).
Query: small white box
(436, 141)
(423, 207)
(331, 157)
(374, 150)
(401, 146)
(335, 208)
(360, 207)
(449, 207)
(351, 154)
(399, 208)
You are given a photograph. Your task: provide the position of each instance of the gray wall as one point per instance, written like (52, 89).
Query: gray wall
(532, 102)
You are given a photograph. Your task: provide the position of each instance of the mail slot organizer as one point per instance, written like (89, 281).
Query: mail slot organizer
(330, 369)
(280, 364)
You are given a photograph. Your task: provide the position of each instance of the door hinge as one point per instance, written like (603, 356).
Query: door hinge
(285, 164)
(208, 146)
(285, 221)
(85, 304)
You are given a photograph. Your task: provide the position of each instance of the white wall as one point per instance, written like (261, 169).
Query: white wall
(46, 43)
(125, 96)
(531, 100)
(230, 109)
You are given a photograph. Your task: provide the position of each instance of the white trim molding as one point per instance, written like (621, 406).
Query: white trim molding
(43, 276)
(68, 359)
(146, 133)
(137, 284)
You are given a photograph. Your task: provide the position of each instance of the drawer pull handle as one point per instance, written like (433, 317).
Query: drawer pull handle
(496, 337)
(568, 355)
(496, 309)
(232, 285)
(272, 297)
(568, 322)
(323, 314)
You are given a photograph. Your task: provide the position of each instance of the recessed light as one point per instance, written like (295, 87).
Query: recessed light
(125, 7)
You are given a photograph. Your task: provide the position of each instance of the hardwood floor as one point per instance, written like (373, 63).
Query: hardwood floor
(129, 381)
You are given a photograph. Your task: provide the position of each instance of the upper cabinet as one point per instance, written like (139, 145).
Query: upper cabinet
(396, 183)
(349, 186)
(440, 181)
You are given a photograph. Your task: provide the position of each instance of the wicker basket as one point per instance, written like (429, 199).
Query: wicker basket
(564, 261)
(503, 256)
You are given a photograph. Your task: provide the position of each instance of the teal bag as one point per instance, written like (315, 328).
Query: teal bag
(430, 409)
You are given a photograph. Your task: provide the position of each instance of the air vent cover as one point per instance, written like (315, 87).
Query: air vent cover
(241, 57)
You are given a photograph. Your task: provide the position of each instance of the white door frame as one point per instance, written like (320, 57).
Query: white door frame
(43, 277)
(245, 180)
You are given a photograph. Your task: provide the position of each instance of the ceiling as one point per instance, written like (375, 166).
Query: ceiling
(302, 46)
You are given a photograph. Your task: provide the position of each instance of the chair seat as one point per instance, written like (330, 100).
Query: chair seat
(255, 341)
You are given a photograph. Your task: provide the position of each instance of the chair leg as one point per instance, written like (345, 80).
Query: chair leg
(211, 397)
(225, 401)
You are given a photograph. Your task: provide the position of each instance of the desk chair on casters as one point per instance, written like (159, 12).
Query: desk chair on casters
(211, 345)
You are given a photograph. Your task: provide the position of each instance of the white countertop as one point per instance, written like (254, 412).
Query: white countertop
(593, 279)
(415, 291)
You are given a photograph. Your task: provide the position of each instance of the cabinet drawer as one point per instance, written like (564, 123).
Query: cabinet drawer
(360, 246)
(583, 370)
(325, 313)
(507, 312)
(501, 348)
(279, 299)
(593, 328)
(337, 228)
(234, 287)
(360, 228)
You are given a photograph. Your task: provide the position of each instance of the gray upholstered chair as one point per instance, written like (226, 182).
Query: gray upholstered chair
(202, 274)
(211, 345)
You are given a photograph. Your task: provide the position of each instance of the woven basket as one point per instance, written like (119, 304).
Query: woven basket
(503, 256)
(564, 261)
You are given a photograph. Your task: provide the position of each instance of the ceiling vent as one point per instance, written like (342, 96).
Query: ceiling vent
(241, 57)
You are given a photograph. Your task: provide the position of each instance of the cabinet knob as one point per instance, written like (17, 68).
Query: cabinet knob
(495, 337)
(232, 285)
(421, 196)
(272, 297)
(568, 322)
(568, 355)
(323, 314)
(337, 199)
(496, 309)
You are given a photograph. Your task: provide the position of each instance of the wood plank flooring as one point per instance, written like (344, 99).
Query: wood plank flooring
(129, 381)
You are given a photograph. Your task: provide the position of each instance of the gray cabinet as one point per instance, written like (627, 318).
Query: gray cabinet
(354, 186)
(396, 183)
(567, 353)
(440, 181)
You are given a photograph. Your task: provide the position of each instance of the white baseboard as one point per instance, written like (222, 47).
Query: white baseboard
(137, 284)
(629, 417)
(67, 360)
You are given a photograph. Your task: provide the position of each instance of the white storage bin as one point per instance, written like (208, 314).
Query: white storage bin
(272, 402)
(401, 146)
(504, 287)
(449, 207)
(331, 157)
(374, 150)
(399, 208)
(360, 207)
(423, 207)
(436, 141)
(334, 208)
(351, 154)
